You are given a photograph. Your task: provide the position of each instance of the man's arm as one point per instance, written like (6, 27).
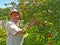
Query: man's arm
(20, 31)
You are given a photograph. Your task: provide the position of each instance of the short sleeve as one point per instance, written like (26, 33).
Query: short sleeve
(12, 28)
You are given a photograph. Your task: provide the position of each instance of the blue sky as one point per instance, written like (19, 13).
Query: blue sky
(2, 2)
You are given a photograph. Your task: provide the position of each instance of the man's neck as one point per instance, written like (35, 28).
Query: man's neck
(16, 22)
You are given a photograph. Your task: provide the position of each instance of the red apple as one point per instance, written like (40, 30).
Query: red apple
(49, 35)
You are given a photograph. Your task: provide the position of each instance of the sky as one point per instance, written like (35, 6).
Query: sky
(2, 2)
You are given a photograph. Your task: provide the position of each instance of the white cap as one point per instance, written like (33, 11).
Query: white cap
(13, 9)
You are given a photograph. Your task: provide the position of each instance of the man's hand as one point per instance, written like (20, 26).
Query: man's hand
(20, 32)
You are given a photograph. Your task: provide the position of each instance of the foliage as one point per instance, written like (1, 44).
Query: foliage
(4, 13)
(47, 13)
(2, 36)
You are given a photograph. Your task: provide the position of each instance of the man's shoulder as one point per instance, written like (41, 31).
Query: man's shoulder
(9, 22)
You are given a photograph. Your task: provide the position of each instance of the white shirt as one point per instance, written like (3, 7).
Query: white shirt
(12, 37)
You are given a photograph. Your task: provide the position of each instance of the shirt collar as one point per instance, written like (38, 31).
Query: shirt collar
(13, 22)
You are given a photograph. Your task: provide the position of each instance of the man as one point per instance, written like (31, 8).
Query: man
(14, 34)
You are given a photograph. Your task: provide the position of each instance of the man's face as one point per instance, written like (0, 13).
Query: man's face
(15, 16)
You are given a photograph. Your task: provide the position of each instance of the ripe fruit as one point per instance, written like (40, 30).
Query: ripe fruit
(49, 35)
(36, 22)
(50, 43)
